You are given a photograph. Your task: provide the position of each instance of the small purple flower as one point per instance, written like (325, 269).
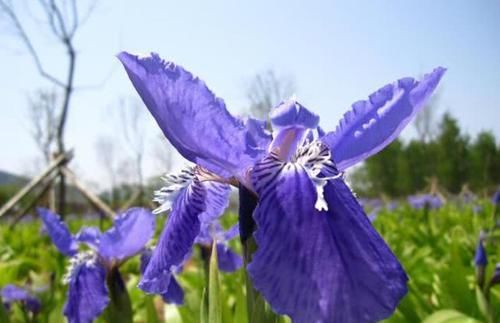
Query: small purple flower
(87, 293)
(432, 201)
(228, 260)
(495, 199)
(318, 258)
(11, 293)
(481, 258)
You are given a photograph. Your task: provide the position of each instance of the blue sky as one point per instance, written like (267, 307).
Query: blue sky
(337, 52)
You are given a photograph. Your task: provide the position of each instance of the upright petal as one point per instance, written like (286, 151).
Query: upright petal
(371, 125)
(291, 123)
(58, 232)
(319, 266)
(193, 119)
(177, 238)
(90, 236)
(87, 293)
(130, 232)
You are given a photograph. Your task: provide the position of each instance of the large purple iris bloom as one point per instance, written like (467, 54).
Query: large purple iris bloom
(318, 258)
(87, 293)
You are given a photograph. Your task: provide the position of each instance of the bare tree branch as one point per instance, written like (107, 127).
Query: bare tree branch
(27, 42)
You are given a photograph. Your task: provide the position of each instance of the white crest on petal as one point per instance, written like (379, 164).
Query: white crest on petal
(174, 183)
(84, 258)
(317, 161)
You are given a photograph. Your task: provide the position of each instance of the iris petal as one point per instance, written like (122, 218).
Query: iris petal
(193, 119)
(12, 293)
(130, 232)
(373, 124)
(90, 236)
(58, 232)
(87, 293)
(228, 260)
(174, 294)
(316, 266)
(176, 240)
(291, 122)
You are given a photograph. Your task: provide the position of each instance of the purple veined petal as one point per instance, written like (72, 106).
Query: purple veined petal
(193, 119)
(176, 240)
(58, 232)
(291, 123)
(130, 232)
(11, 293)
(319, 266)
(373, 124)
(87, 293)
(228, 260)
(174, 293)
(216, 200)
(90, 236)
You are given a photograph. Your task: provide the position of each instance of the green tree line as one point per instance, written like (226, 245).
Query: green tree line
(451, 157)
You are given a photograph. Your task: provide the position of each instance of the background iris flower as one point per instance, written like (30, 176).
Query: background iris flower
(318, 258)
(432, 201)
(93, 276)
(12, 293)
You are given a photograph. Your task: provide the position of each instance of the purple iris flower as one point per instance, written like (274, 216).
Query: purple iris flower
(88, 293)
(481, 258)
(432, 201)
(318, 258)
(227, 259)
(495, 199)
(11, 293)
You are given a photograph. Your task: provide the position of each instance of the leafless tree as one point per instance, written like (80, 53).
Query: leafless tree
(62, 19)
(266, 90)
(106, 156)
(425, 121)
(42, 115)
(134, 131)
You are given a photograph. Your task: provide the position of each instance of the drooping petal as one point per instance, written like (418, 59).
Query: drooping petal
(319, 266)
(89, 235)
(176, 240)
(228, 260)
(174, 294)
(373, 124)
(216, 200)
(58, 232)
(11, 293)
(87, 293)
(193, 119)
(291, 123)
(130, 232)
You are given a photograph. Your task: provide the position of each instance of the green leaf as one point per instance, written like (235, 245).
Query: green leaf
(214, 295)
(119, 309)
(449, 316)
(152, 315)
(204, 307)
(3, 313)
(483, 305)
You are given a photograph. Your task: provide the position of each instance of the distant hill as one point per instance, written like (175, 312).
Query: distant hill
(7, 178)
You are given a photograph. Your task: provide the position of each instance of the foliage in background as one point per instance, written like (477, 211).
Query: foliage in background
(451, 156)
(435, 247)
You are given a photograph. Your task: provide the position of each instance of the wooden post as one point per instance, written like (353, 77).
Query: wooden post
(94, 199)
(49, 182)
(61, 159)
